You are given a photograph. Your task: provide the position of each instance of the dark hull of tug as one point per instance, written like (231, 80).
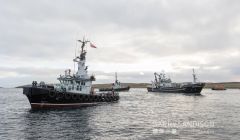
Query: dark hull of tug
(117, 89)
(192, 89)
(48, 98)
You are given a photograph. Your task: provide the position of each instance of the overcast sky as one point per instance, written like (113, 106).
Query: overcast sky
(134, 38)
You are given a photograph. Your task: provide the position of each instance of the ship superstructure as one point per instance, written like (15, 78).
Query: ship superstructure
(79, 82)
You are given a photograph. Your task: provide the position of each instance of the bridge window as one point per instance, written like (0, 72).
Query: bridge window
(82, 83)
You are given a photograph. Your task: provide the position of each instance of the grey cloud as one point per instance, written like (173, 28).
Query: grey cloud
(38, 25)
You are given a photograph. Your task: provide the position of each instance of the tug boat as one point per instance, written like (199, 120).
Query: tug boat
(74, 90)
(117, 86)
(165, 85)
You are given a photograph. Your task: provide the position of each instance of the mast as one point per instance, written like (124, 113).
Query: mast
(81, 58)
(157, 80)
(116, 76)
(194, 77)
(83, 52)
(155, 75)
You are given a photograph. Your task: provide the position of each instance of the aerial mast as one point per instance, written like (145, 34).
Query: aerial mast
(116, 75)
(194, 77)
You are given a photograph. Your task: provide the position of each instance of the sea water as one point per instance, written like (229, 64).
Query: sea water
(137, 115)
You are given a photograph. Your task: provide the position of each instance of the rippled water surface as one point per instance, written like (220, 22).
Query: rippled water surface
(138, 115)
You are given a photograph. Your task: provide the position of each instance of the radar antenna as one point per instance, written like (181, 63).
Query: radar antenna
(84, 42)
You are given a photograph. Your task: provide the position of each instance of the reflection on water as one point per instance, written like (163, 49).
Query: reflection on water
(138, 115)
(57, 124)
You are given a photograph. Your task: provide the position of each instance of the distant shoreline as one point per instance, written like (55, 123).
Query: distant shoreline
(228, 85)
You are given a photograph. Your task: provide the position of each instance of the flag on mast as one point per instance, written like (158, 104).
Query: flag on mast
(93, 46)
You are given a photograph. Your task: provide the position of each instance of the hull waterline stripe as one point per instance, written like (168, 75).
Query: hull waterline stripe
(71, 104)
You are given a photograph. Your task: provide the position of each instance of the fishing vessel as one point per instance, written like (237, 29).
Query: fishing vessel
(164, 84)
(116, 86)
(74, 90)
